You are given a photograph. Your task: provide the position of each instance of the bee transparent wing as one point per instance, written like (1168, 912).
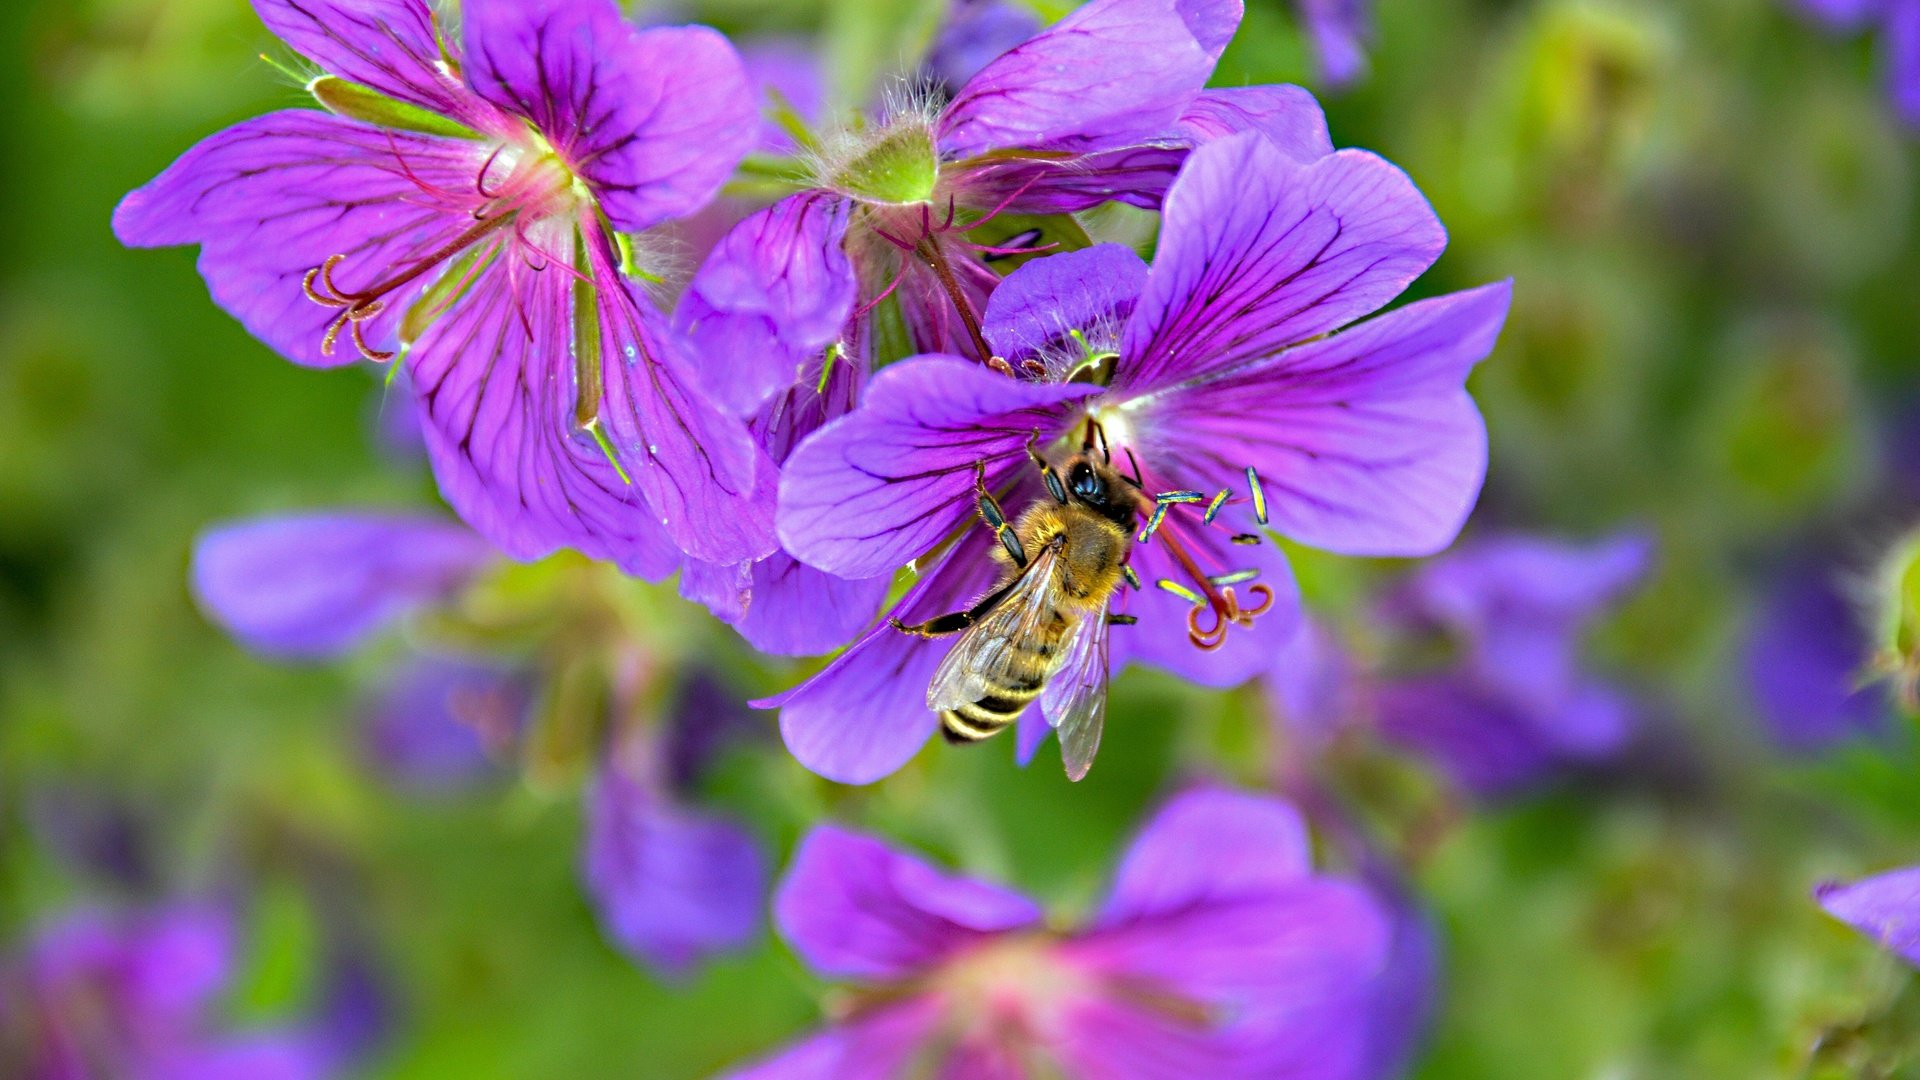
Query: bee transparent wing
(1075, 700)
(985, 657)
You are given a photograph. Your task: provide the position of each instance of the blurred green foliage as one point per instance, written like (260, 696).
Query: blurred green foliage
(1708, 210)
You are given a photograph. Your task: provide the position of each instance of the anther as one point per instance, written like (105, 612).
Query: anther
(1176, 498)
(1213, 508)
(1235, 578)
(1246, 539)
(1259, 496)
(1126, 571)
(1181, 591)
(1153, 523)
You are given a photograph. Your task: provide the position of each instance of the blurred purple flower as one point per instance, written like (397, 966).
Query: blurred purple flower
(443, 723)
(458, 205)
(1338, 30)
(312, 586)
(1519, 703)
(1221, 364)
(1886, 908)
(1218, 953)
(1899, 20)
(975, 33)
(1806, 656)
(99, 996)
(673, 886)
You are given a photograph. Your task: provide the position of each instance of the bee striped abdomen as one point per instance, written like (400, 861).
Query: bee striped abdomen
(998, 709)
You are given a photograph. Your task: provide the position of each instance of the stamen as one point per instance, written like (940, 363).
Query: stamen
(358, 306)
(1259, 496)
(1181, 591)
(1213, 508)
(1153, 523)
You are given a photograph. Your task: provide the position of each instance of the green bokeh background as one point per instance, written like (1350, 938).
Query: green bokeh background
(1709, 212)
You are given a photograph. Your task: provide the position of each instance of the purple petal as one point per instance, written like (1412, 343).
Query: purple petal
(853, 907)
(495, 377)
(273, 1055)
(875, 1045)
(1843, 14)
(271, 199)
(1208, 846)
(1286, 972)
(161, 967)
(799, 611)
(976, 32)
(438, 722)
(1091, 291)
(770, 298)
(1139, 175)
(1485, 745)
(1259, 251)
(790, 71)
(1067, 87)
(1313, 686)
(1338, 30)
(316, 585)
(1365, 443)
(1288, 116)
(389, 45)
(1903, 58)
(1521, 601)
(653, 120)
(672, 886)
(1804, 657)
(865, 714)
(1593, 725)
(882, 485)
(1886, 908)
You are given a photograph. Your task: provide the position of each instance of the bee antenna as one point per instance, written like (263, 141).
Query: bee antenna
(1135, 479)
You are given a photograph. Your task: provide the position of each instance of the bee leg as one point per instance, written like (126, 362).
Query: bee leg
(939, 626)
(954, 622)
(996, 520)
(1054, 487)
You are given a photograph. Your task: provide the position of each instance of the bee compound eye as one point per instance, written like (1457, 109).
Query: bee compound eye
(1086, 483)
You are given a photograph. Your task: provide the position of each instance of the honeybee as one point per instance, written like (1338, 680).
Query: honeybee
(1041, 631)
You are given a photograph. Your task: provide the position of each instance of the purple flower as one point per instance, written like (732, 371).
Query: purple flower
(1216, 364)
(673, 886)
(975, 33)
(1900, 21)
(1338, 30)
(1519, 703)
(316, 585)
(1218, 953)
(1102, 106)
(1806, 661)
(98, 995)
(1886, 908)
(442, 723)
(459, 205)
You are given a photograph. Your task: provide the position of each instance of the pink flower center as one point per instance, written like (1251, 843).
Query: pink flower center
(518, 185)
